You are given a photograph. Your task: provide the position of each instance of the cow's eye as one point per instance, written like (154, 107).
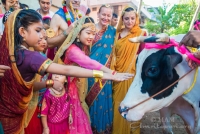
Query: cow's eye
(153, 71)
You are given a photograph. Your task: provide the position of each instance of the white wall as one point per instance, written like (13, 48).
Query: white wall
(33, 4)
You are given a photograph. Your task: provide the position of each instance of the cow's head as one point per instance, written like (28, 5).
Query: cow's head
(155, 70)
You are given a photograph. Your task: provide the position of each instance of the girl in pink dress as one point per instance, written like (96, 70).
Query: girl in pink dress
(55, 113)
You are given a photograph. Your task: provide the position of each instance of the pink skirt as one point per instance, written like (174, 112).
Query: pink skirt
(59, 128)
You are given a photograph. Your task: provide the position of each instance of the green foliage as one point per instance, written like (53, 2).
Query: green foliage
(175, 21)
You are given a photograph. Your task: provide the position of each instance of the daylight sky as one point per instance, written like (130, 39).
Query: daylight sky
(156, 3)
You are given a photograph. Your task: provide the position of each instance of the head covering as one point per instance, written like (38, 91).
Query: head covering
(135, 31)
(13, 111)
(120, 25)
(70, 39)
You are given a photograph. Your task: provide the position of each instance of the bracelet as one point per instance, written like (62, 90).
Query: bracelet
(46, 128)
(97, 74)
(70, 115)
(65, 33)
(49, 83)
(114, 72)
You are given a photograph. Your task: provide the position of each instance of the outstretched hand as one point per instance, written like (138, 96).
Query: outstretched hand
(118, 76)
(123, 76)
(191, 39)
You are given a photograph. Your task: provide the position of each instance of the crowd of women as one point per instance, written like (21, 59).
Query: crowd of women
(38, 95)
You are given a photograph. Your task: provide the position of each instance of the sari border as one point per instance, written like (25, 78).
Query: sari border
(96, 89)
(44, 66)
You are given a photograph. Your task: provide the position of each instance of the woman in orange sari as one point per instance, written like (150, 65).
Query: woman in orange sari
(123, 60)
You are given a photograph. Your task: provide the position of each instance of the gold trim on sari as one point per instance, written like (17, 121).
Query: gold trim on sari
(124, 57)
(26, 102)
(96, 89)
(44, 67)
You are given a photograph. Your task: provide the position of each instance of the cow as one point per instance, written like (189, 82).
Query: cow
(155, 70)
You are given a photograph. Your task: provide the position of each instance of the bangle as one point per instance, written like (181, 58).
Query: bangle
(97, 74)
(114, 72)
(65, 33)
(49, 83)
(70, 115)
(45, 127)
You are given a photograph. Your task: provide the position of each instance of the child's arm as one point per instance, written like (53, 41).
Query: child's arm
(44, 113)
(44, 124)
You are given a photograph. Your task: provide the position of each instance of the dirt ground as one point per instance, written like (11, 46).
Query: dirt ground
(151, 124)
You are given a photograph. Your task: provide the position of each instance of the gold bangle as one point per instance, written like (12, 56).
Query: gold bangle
(97, 74)
(49, 83)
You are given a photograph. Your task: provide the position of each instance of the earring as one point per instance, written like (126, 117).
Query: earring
(24, 39)
(77, 40)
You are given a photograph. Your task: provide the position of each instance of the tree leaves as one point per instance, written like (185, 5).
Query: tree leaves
(172, 19)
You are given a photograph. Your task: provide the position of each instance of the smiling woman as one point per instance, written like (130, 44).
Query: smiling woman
(10, 3)
(124, 60)
(99, 99)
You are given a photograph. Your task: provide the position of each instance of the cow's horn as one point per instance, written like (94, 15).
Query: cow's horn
(159, 38)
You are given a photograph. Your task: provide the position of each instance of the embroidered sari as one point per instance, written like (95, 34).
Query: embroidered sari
(16, 86)
(100, 100)
(123, 60)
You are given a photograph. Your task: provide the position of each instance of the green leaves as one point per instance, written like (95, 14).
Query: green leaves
(172, 19)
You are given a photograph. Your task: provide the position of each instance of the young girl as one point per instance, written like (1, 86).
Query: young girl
(76, 51)
(46, 22)
(22, 31)
(56, 112)
(34, 122)
(50, 51)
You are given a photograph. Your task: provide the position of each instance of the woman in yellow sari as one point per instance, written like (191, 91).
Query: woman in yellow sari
(123, 60)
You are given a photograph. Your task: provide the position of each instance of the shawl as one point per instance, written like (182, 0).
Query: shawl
(82, 83)
(15, 93)
(125, 52)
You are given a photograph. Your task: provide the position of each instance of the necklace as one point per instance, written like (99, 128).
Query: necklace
(56, 92)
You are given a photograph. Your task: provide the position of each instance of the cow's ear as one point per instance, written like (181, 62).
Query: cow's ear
(171, 61)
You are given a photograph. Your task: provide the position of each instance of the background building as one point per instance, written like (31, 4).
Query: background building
(94, 5)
